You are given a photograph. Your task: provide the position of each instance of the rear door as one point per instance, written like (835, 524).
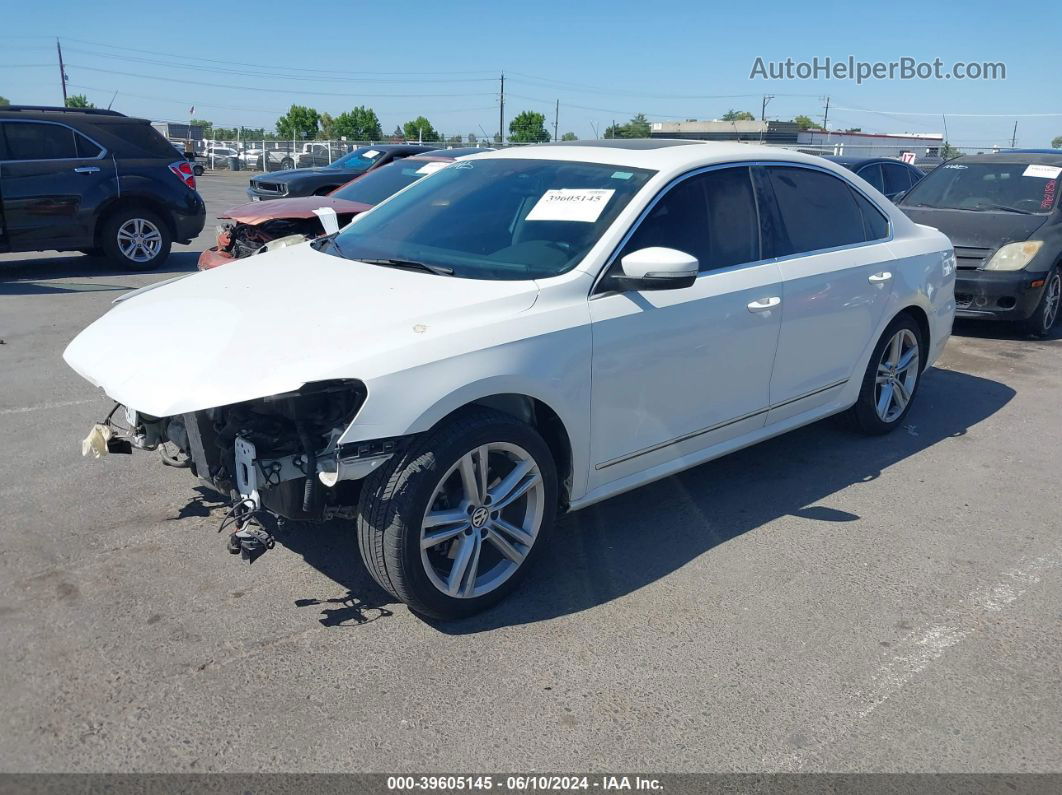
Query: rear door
(52, 180)
(832, 245)
(897, 179)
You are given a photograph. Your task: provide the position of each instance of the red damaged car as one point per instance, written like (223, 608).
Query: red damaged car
(281, 222)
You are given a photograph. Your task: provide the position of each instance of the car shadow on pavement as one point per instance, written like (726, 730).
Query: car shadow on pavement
(623, 544)
(27, 276)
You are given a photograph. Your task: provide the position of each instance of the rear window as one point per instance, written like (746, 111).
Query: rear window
(818, 210)
(1007, 187)
(142, 140)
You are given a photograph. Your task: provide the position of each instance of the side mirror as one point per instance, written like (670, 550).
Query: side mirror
(654, 268)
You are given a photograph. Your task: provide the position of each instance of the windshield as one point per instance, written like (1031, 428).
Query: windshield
(501, 219)
(361, 159)
(1018, 187)
(377, 185)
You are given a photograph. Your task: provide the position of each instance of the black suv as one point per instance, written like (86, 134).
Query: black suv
(94, 181)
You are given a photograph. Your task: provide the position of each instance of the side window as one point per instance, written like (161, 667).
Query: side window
(875, 225)
(896, 178)
(711, 216)
(36, 141)
(85, 147)
(817, 210)
(872, 174)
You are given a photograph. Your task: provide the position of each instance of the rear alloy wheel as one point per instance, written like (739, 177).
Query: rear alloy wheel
(450, 525)
(891, 379)
(138, 239)
(1046, 314)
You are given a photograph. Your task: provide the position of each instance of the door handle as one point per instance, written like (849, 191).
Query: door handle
(86, 169)
(764, 304)
(878, 278)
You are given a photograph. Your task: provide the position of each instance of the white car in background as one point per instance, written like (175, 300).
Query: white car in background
(527, 331)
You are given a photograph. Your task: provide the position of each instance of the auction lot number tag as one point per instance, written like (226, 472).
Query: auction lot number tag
(571, 204)
(1044, 172)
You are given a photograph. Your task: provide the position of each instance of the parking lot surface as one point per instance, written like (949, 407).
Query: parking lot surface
(822, 601)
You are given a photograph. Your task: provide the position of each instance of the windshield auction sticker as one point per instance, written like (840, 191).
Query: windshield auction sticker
(1046, 172)
(571, 204)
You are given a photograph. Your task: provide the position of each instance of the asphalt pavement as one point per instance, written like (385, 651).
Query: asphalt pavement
(822, 601)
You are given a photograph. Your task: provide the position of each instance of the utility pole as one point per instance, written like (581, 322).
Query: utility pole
(763, 108)
(62, 71)
(556, 119)
(826, 116)
(501, 112)
(1014, 135)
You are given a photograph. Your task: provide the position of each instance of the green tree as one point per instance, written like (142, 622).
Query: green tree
(528, 127)
(4, 102)
(949, 152)
(569, 136)
(327, 127)
(738, 115)
(299, 122)
(419, 129)
(805, 123)
(1056, 142)
(78, 101)
(454, 139)
(638, 127)
(359, 124)
(471, 138)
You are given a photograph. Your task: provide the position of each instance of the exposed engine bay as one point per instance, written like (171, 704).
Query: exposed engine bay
(243, 240)
(276, 457)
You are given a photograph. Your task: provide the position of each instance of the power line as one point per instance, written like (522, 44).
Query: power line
(287, 91)
(266, 66)
(280, 75)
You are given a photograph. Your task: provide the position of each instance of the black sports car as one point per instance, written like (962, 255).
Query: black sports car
(888, 176)
(319, 181)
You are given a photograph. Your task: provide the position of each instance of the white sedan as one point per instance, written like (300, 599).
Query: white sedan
(527, 331)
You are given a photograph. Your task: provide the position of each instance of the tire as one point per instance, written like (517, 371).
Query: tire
(1043, 319)
(881, 408)
(287, 163)
(429, 474)
(155, 245)
(197, 170)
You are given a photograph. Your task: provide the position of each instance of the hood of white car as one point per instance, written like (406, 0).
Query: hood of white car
(268, 324)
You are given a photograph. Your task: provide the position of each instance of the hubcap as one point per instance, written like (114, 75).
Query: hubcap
(1051, 301)
(139, 240)
(897, 375)
(482, 520)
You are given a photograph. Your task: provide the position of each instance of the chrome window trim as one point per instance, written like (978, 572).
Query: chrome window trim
(103, 150)
(611, 259)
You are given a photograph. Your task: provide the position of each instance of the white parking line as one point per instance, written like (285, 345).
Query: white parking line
(921, 647)
(46, 406)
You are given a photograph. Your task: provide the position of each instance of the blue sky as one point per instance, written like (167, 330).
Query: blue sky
(602, 60)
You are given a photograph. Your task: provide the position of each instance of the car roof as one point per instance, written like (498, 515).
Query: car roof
(659, 154)
(856, 162)
(1046, 158)
(451, 154)
(68, 115)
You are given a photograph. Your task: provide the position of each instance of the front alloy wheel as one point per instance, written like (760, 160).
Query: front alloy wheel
(1046, 314)
(482, 520)
(451, 523)
(139, 240)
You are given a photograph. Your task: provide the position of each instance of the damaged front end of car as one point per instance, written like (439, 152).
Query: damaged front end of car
(277, 457)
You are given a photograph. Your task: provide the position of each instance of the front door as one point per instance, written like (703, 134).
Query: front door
(675, 371)
(52, 180)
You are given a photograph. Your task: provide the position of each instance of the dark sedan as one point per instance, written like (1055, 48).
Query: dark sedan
(319, 181)
(1002, 214)
(888, 176)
